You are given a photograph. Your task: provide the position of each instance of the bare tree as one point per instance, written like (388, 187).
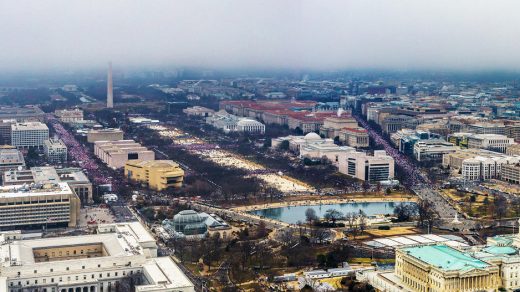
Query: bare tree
(310, 215)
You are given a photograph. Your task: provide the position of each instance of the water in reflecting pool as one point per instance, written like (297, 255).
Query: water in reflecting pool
(293, 214)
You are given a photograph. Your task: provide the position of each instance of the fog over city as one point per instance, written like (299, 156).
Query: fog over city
(326, 35)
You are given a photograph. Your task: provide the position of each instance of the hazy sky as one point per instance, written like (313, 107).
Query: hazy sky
(343, 34)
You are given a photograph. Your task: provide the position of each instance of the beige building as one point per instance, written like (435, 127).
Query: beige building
(117, 257)
(38, 205)
(511, 173)
(157, 174)
(332, 126)
(116, 153)
(513, 150)
(55, 151)
(493, 142)
(74, 177)
(477, 164)
(104, 135)
(354, 137)
(10, 159)
(67, 116)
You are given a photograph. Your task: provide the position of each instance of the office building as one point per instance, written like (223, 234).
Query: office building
(119, 257)
(354, 137)
(492, 142)
(510, 173)
(68, 116)
(94, 135)
(394, 123)
(74, 177)
(38, 205)
(5, 131)
(29, 134)
(10, 159)
(486, 128)
(332, 126)
(478, 164)
(55, 151)
(22, 114)
(432, 150)
(379, 167)
(156, 174)
(116, 153)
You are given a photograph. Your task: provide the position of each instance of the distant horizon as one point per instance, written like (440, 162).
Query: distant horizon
(295, 34)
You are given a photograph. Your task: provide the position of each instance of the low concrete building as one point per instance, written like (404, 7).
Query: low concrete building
(332, 126)
(94, 135)
(116, 153)
(10, 159)
(492, 142)
(432, 150)
(354, 137)
(117, 257)
(379, 167)
(198, 111)
(156, 174)
(510, 173)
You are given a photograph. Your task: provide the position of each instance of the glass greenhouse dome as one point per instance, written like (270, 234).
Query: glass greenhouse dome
(189, 222)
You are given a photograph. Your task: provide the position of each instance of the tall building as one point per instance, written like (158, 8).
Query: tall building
(74, 177)
(157, 174)
(117, 257)
(38, 205)
(55, 151)
(110, 89)
(29, 134)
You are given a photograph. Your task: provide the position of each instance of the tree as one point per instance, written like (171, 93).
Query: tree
(333, 215)
(403, 212)
(284, 145)
(426, 213)
(310, 215)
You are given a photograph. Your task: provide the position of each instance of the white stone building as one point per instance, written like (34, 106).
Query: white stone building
(55, 151)
(379, 167)
(118, 254)
(29, 134)
(67, 116)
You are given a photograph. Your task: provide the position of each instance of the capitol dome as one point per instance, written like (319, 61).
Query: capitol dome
(312, 136)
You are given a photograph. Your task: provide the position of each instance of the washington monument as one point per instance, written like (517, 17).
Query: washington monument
(110, 90)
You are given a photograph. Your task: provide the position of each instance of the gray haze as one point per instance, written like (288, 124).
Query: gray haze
(407, 34)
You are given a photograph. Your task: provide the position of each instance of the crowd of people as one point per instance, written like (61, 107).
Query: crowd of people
(79, 153)
(414, 176)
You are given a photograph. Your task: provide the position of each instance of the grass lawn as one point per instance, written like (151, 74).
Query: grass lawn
(402, 230)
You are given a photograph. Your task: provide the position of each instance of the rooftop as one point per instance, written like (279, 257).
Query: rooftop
(445, 257)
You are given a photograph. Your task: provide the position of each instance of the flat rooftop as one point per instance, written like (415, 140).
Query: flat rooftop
(28, 190)
(27, 126)
(445, 257)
